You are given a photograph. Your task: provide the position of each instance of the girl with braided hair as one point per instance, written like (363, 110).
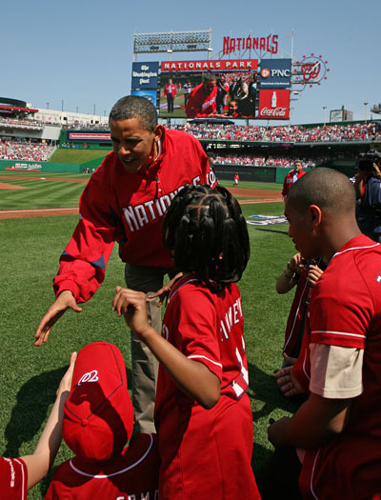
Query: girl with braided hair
(202, 412)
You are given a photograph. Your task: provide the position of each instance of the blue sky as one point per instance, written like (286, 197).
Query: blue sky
(80, 52)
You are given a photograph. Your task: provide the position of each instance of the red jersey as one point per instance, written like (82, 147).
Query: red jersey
(200, 103)
(289, 181)
(345, 310)
(295, 320)
(131, 475)
(129, 208)
(206, 453)
(13, 479)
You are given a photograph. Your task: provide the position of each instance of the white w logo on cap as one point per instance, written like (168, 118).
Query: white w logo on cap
(89, 377)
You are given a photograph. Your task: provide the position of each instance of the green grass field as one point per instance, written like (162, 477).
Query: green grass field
(77, 155)
(29, 259)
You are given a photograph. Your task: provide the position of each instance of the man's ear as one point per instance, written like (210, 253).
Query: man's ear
(158, 132)
(315, 215)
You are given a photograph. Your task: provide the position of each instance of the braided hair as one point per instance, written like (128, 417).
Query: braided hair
(206, 233)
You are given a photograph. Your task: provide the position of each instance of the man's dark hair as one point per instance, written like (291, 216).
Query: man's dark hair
(325, 187)
(134, 106)
(207, 232)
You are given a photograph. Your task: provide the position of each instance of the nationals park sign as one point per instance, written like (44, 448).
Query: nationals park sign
(221, 65)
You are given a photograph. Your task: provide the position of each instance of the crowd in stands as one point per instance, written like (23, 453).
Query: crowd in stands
(11, 149)
(24, 150)
(32, 124)
(81, 125)
(287, 133)
(262, 161)
(366, 131)
(21, 123)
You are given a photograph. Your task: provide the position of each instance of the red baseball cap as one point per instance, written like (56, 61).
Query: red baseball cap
(98, 419)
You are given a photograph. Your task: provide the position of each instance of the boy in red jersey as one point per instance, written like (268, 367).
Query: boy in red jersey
(110, 460)
(337, 431)
(202, 410)
(18, 475)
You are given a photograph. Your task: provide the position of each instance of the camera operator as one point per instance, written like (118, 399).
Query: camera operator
(368, 190)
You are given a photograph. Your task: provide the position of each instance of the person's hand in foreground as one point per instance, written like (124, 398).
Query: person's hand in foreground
(43, 457)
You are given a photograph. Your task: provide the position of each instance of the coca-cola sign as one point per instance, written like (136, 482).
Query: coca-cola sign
(274, 104)
(277, 112)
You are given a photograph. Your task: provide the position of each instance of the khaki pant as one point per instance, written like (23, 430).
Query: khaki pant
(144, 364)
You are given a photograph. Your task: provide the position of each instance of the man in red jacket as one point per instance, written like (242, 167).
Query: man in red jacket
(125, 201)
(203, 98)
(170, 91)
(292, 177)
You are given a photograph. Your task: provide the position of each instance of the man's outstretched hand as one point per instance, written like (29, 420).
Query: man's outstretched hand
(63, 302)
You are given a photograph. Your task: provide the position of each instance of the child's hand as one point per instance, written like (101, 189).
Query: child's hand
(132, 305)
(296, 262)
(314, 273)
(65, 384)
(287, 382)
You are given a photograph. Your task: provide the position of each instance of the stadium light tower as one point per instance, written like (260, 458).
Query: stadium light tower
(175, 41)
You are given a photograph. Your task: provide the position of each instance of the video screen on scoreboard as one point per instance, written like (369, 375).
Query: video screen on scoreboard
(196, 89)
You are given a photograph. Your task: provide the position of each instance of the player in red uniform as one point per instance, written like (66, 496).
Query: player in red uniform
(170, 91)
(203, 98)
(125, 201)
(202, 411)
(111, 461)
(18, 475)
(337, 431)
(292, 177)
(236, 179)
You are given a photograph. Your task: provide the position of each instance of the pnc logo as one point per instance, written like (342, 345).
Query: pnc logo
(265, 73)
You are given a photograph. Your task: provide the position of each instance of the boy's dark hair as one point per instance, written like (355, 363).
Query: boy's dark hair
(207, 233)
(134, 106)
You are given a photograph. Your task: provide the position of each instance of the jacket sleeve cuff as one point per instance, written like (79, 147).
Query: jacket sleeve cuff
(63, 285)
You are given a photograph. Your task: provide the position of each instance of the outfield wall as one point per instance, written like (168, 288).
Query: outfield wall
(259, 174)
(254, 174)
(224, 172)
